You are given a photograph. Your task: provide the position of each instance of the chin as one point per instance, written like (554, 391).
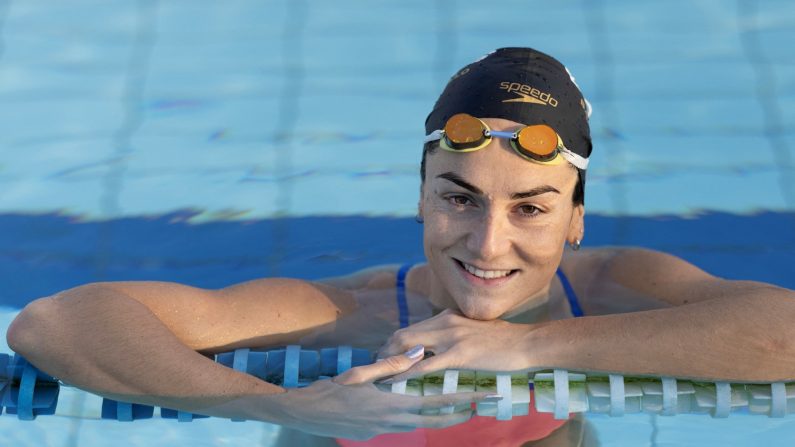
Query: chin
(480, 312)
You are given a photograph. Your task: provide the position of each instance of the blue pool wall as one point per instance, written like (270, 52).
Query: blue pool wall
(46, 253)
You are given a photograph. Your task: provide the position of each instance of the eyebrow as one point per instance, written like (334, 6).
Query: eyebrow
(538, 190)
(543, 189)
(455, 178)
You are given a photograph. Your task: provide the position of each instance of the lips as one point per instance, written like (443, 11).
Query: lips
(489, 276)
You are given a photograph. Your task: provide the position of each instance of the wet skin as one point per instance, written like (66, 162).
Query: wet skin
(489, 209)
(501, 214)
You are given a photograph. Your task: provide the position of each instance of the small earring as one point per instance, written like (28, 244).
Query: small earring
(575, 245)
(418, 219)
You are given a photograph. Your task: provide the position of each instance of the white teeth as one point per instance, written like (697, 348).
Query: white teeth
(485, 274)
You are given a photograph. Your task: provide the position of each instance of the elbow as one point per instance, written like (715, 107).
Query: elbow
(45, 322)
(29, 328)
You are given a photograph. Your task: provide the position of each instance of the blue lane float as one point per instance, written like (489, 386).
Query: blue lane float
(27, 392)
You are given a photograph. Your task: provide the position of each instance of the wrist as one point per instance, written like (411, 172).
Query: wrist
(261, 402)
(542, 348)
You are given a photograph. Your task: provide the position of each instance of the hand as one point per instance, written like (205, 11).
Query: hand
(350, 406)
(458, 342)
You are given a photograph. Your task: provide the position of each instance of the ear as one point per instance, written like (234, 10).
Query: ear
(576, 225)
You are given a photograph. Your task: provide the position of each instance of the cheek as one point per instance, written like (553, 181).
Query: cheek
(438, 229)
(543, 246)
(439, 222)
(544, 232)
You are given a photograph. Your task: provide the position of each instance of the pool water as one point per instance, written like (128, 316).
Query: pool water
(209, 143)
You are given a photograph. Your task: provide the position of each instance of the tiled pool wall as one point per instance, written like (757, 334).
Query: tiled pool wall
(290, 130)
(43, 254)
(261, 109)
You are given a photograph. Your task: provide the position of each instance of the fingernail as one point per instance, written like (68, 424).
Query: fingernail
(492, 398)
(387, 381)
(415, 352)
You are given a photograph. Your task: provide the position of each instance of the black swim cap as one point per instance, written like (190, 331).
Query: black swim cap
(522, 85)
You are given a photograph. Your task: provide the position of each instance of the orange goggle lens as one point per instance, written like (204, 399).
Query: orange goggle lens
(464, 132)
(539, 142)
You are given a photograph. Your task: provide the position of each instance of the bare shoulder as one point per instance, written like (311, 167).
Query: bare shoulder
(642, 268)
(630, 278)
(376, 277)
(378, 283)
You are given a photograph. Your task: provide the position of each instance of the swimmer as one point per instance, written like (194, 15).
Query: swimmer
(505, 287)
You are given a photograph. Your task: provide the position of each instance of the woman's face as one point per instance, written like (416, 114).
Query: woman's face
(495, 225)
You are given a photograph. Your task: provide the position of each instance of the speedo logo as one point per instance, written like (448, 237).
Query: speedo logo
(528, 94)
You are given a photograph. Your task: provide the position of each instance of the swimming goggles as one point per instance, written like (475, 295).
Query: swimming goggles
(540, 143)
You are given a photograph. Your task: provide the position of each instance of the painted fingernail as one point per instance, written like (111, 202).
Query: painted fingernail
(415, 352)
(492, 398)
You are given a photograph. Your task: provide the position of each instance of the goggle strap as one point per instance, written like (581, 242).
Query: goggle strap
(576, 159)
(436, 135)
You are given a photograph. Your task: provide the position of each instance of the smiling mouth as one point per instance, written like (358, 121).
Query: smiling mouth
(484, 274)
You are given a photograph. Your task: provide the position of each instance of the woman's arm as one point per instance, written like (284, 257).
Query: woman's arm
(139, 339)
(743, 336)
(704, 326)
(708, 328)
(137, 342)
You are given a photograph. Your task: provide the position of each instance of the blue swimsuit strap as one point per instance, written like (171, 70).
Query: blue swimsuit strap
(403, 307)
(570, 295)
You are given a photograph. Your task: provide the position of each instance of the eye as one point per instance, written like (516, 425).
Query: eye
(459, 200)
(529, 210)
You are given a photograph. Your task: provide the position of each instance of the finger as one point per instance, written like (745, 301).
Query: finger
(386, 368)
(400, 341)
(427, 366)
(383, 353)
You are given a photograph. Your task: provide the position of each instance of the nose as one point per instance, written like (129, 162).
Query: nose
(490, 237)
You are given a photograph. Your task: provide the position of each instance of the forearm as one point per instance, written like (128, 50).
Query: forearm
(744, 338)
(114, 346)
